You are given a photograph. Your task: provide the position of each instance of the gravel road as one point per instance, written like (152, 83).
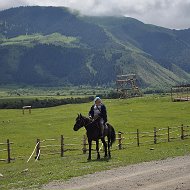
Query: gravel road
(169, 174)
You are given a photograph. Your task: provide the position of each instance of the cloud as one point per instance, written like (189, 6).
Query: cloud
(167, 13)
(4, 4)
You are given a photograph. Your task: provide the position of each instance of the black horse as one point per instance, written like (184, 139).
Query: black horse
(94, 134)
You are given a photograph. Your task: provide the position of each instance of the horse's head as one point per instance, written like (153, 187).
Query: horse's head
(80, 122)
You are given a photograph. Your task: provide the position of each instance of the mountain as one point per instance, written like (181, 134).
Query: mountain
(57, 46)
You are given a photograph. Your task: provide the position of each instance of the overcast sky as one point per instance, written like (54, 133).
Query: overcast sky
(166, 13)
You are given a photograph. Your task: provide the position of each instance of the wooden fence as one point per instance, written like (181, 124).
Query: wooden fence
(155, 136)
(124, 140)
(6, 148)
(54, 146)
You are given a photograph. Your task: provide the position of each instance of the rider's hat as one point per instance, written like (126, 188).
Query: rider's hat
(97, 98)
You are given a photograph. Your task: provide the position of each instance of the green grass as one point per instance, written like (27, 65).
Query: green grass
(28, 40)
(81, 91)
(125, 115)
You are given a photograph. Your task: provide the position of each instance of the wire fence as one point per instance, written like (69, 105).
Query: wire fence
(62, 146)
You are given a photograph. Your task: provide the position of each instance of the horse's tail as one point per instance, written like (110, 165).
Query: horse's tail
(112, 135)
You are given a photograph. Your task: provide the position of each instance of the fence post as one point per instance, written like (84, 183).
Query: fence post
(168, 134)
(84, 144)
(62, 145)
(182, 132)
(8, 151)
(138, 140)
(155, 139)
(119, 141)
(29, 110)
(171, 94)
(38, 149)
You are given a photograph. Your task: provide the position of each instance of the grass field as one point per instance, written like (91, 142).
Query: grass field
(15, 91)
(125, 115)
(29, 40)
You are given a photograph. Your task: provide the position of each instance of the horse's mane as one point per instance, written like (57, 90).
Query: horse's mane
(86, 118)
(90, 121)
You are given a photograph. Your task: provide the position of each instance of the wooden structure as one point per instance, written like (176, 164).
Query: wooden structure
(180, 93)
(8, 150)
(124, 140)
(155, 137)
(84, 149)
(26, 107)
(127, 86)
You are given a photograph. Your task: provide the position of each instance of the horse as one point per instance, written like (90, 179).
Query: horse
(94, 134)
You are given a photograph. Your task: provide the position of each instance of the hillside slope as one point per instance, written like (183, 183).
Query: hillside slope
(54, 46)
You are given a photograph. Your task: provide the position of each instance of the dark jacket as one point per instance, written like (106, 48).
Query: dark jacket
(103, 113)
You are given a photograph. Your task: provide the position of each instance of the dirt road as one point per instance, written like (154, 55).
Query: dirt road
(169, 174)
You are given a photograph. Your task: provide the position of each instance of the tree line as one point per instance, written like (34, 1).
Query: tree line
(18, 103)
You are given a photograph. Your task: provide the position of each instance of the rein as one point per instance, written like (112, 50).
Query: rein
(83, 120)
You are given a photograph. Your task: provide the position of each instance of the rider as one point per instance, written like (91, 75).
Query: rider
(98, 110)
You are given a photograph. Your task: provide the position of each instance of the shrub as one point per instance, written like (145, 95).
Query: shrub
(41, 103)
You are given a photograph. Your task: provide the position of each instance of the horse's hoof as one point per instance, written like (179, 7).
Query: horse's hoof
(98, 158)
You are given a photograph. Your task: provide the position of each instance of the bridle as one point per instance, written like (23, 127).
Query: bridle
(83, 124)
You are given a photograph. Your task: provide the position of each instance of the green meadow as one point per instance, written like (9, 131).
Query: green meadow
(49, 123)
(29, 40)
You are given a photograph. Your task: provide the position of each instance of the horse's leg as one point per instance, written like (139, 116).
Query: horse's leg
(109, 153)
(105, 147)
(97, 149)
(90, 147)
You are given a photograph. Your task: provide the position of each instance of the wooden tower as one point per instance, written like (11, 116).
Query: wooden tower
(127, 86)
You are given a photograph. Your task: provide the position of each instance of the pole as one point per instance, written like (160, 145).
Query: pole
(155, 139)
(182, 132)
(62, 145)
(37, 149)
(138, 140)
(168, 134)
(119, 141)
(171, 94)
(8, 151)
(84, 144)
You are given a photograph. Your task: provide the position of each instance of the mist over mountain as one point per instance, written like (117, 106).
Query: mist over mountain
(56, 46)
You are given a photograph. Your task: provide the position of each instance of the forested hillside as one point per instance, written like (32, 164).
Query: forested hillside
(55, 46)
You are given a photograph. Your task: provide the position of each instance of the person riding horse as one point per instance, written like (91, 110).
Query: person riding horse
(98, 112)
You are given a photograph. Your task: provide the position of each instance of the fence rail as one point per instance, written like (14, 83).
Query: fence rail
(152, 137)
(53, 146)
(7, 149)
